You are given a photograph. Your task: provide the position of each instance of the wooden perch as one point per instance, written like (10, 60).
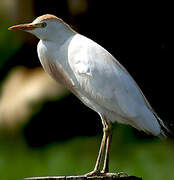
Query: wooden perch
(84, 178)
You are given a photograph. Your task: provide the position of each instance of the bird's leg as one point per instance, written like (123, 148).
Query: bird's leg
(96, 170)
(105, 170)
(102, 147)
(108, 132)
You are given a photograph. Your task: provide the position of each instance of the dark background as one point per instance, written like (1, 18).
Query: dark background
(138, 34)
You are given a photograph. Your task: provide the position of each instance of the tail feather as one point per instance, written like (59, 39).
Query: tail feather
(165, 131)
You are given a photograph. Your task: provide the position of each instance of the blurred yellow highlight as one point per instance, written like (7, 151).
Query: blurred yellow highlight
(22, 88)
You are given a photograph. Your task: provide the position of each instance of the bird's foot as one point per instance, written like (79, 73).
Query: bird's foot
(114, 175)
(95, 173)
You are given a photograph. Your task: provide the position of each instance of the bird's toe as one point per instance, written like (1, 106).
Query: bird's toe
(93, 173)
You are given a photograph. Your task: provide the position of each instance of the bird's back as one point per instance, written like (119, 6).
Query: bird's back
(106, 85)
(99, 81)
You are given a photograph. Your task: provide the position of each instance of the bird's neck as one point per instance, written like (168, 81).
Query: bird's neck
(55, 51)
(62, 33)
(54, 59)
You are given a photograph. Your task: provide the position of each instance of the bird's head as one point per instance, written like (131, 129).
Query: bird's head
(45, 27)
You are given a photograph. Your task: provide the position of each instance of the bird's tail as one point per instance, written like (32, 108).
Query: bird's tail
(165, 129)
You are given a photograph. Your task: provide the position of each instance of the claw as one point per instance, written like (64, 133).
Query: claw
(102, 173)
(94, 173)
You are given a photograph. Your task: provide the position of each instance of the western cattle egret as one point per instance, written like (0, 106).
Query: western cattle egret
(95, 77)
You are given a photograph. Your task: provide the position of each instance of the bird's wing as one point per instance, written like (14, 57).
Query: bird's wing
(103, 79)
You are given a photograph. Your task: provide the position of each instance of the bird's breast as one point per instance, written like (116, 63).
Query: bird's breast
(55, 69)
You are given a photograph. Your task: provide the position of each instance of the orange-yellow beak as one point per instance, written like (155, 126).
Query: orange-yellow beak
(23, 27)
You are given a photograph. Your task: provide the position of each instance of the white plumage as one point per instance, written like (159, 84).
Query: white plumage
(101, 82)
(95, 77)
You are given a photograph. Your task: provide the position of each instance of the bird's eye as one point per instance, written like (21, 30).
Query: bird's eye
(44, 24)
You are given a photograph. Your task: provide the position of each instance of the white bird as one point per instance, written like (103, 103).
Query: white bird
(95, 77)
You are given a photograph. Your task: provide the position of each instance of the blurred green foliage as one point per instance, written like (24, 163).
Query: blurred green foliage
(9, 42)
(150, 159)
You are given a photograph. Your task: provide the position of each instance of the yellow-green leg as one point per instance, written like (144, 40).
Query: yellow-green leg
(106, 141)
(108, 146)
